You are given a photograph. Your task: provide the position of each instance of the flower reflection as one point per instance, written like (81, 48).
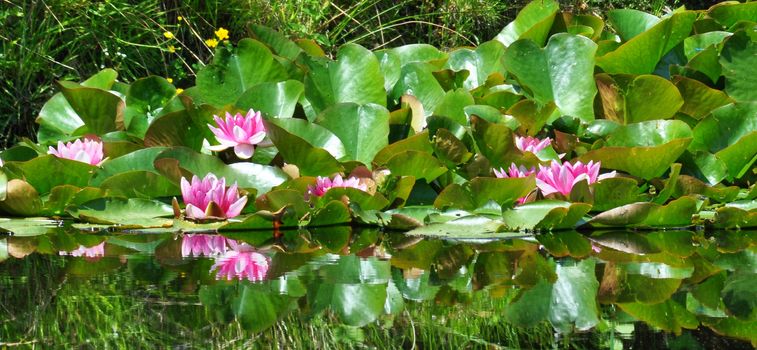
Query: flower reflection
(199, 245)
(87, 252)
(241, 262)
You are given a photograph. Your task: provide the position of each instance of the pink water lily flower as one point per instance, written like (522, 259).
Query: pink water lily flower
(87, 252)
(240, 132)
(514, 171)
(531, 144)
(200, 193)
(560, 178)
(87, 151)
(323, 184)
(199, 245)
(241, 262)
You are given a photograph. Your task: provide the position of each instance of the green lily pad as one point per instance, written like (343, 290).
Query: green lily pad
(355, 76)
(481, 190)
(648, 214)
(468, 227)
(364, 130)
(67, 172)
(631, 99)
(545, 214)
(234, 71)
(729, 132)
(640, 54)
(562, 72)
(127, 213)
(273, 99)
(21, 199)
(482, 62)
(532, 22)
(144, 101)
(645, 149)
(246, 175)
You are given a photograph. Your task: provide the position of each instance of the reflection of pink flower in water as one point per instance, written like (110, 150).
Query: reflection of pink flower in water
(87, 252)
(241, 262)
(531, 144)
(199, 245)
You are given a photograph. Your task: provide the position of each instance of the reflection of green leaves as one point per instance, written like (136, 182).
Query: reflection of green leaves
(668, 315)
(569, 302)
(740, 296)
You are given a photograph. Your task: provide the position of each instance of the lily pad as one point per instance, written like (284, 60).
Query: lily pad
(562, 72)
(126, 213)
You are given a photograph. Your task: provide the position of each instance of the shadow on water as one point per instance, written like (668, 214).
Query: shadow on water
(343, 287)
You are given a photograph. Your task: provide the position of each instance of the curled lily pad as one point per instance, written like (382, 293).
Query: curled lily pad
(648, 214)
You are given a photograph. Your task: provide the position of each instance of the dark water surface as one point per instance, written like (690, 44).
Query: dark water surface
(344, 287)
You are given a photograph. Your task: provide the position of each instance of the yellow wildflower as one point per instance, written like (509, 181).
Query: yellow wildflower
(171, 49)
(168, 35)
(179, 18)
(169, 80)
(211, 43)
(179, 91)
(222, 33)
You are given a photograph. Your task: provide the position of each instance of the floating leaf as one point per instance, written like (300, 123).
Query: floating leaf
(355, 76)
(364, 130)
(234, 71)
(562, 72)
(545, 214)
(125, 212)
(532, 22)
(640, 54)
(273, 99)
(645, 149)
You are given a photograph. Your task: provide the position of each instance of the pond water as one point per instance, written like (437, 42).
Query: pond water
(342, 287)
